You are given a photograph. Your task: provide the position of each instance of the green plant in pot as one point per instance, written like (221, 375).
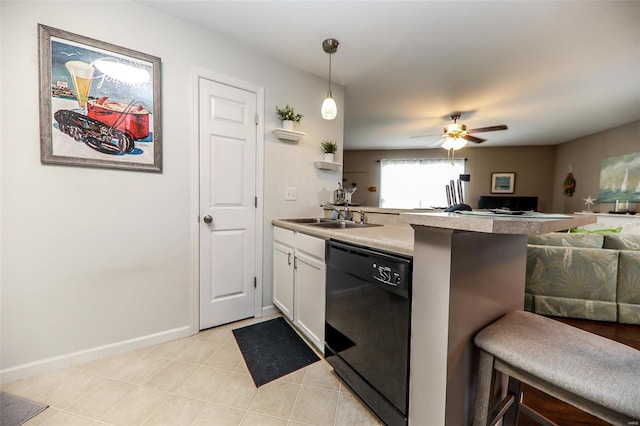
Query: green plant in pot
(329, 148)
(288, 116)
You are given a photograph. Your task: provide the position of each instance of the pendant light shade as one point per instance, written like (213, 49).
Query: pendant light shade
(329, 109)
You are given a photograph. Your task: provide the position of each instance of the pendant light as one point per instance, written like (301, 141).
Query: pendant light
(329, 108)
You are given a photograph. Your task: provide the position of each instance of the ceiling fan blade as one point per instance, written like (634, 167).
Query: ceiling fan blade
(428, 144)
(488, 129)
(425, 136)
(473, 139)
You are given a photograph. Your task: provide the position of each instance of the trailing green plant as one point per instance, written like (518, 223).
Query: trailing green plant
(329, 146)
(287, 113)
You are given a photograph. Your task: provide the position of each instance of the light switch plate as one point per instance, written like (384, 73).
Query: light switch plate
(290, 193)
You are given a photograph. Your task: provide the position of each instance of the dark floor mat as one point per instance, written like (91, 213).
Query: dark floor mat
(15, 411)
(272, 349)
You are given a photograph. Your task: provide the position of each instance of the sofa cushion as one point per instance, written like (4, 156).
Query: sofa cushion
(622, 242)
(579, 273)
(628, 292)
(567, 240)
(575, 308)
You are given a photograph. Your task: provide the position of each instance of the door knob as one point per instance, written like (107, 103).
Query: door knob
(208, 219)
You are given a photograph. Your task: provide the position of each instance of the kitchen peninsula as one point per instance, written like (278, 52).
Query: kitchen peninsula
(468, 271)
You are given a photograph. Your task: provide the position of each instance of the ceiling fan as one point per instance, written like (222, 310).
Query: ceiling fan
(456, 134)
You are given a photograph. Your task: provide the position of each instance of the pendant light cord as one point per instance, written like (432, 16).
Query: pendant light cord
(330, 76)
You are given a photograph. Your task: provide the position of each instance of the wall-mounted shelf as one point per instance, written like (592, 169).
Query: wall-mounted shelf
(288, 135)
(326, 165)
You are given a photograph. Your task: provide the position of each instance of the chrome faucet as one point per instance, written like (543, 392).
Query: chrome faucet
(348, 214)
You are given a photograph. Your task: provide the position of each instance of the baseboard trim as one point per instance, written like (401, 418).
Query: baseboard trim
(76, 358)
(269, 310)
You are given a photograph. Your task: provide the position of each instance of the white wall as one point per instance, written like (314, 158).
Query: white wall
(97, 261)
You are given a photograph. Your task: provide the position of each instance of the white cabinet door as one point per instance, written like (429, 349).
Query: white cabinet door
(309, 304)
(283, 257)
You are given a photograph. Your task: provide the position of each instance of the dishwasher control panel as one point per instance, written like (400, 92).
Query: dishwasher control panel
(386, 275)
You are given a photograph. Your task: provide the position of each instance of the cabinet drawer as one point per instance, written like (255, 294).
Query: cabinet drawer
(311, 245)
(284, 236)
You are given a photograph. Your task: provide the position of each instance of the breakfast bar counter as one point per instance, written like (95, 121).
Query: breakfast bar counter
(468, 271)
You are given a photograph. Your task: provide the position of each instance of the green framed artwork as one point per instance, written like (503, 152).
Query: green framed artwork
(620, 178)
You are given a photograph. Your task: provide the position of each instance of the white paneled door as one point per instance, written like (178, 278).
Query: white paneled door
(227, 140)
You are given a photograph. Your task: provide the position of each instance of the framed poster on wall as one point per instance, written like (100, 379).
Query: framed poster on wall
(620, 178)
(503, 183)
(99, 103)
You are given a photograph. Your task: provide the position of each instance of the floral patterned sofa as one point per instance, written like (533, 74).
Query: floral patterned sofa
(593, 276)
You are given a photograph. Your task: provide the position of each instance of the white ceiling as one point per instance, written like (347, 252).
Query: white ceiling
(552, 71)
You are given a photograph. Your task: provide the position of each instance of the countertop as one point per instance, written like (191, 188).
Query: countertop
(496, 224)
(393, 238)
(399, 238)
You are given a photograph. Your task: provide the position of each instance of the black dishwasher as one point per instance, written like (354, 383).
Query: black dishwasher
(368, 325)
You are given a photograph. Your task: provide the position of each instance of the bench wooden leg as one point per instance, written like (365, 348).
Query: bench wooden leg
(486, 412)
(515, 389)
(484, 389)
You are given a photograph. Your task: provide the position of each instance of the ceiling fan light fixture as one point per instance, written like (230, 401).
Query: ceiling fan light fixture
(455, 130)
(329, 109)
(453, 127)
(453, 143)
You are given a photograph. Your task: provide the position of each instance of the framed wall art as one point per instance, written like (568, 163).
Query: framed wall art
(620, 178)
(503, 183)
(99, 104)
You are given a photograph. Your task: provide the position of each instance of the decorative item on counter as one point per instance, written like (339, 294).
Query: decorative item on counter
(339, 194)
(329, 148)
(589, 202)
(569, 184)
(455, 202)
(623, 207)
(348, 193)
(288, 116)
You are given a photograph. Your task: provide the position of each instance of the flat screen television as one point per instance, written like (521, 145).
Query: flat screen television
(508, 202)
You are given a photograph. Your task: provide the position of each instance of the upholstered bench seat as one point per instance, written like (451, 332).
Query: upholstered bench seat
(595, 374)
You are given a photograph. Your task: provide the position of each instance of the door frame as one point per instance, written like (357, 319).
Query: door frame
(198, 73)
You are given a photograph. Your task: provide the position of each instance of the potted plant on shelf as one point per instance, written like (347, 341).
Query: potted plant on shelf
(288, 116)
(329, 148)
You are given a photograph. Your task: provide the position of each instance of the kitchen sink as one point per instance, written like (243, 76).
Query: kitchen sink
(323, 222)
(341, 224)
(309, 220)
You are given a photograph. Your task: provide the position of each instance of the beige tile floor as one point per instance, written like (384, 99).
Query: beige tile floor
(199, 380)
